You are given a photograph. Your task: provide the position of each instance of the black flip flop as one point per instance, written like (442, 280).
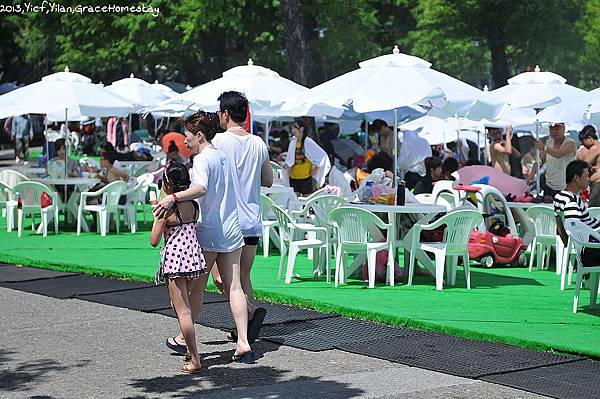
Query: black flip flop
(246, 358)
(176, 346)
(255, 324)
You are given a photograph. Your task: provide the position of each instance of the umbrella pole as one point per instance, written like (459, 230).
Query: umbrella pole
(366, 132)
(537, 158)
(68, 147)
(267, 129)
(395, 150)
(46, 137)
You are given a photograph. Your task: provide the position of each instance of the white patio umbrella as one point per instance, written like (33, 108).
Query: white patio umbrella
(390, 82)
(164, 89)
(264, 88)
(137, 91)
(575, 113)
(65, 92)
(536, 90)
(441, 131)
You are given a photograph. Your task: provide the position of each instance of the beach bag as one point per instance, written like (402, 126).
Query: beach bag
(46, 200)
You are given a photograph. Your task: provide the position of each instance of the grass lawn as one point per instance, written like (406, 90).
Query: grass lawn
(507, 305)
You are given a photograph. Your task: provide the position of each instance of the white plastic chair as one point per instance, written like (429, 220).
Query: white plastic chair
(353, 236)
(109, 204)
(132, 198)
(580, 233)
(277, 170)
(148, 185)
(287, 228)
(11, 177)
(8, 206)
(315, 213)
(321, 191)
(459, 225)
(31, 200)
(546, 236)
(445, 189)
(268, 224)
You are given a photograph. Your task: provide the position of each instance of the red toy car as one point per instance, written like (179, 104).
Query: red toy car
(497, 246)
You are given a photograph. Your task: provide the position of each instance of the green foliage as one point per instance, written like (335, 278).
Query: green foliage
(199, 39)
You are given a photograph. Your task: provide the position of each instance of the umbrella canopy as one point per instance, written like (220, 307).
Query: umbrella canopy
(444, 130)
(389, 82)
(263, 87)
(503, 182)
(137, 91)
(63, 91)
(536, 90)
(575, 113)
(163, 89)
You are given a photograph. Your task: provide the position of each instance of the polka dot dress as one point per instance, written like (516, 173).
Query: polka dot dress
(181, 256)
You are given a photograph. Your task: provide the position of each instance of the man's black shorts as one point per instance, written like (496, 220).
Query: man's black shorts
(251, 240)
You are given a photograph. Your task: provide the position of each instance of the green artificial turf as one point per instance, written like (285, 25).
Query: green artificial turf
(507, 305)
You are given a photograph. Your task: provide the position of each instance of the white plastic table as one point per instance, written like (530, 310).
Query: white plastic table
(72, 204)
(392, 211)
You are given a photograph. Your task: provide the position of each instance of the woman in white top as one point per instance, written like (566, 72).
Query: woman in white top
(219, 232)
(306, 164)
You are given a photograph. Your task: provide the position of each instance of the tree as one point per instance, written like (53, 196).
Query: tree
(296, 40)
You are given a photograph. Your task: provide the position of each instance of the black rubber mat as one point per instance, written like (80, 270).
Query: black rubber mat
(145, 299)
(570, 380)
(71, 286)
(326, 334)
(11, 273)
(453, 355)
(218, 315)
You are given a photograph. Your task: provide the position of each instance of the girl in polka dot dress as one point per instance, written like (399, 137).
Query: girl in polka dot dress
(181, 261)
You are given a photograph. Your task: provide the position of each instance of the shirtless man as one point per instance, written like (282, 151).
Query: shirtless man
(500, 150)
(589, 152)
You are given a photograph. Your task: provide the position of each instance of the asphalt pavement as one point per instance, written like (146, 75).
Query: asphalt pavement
(53, 348)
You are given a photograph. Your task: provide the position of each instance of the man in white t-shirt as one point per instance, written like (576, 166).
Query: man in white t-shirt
(249, 159)
(218, 232)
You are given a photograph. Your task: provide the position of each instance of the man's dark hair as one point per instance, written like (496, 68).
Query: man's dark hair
(432, 163)
(235, 103)
(107, 147)
(575, 168)
(588, 131)
(110, 156)
(380, 160)
(449, 166)
(205, 122)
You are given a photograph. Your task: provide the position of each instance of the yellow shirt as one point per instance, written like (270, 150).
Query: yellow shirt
(302, 166)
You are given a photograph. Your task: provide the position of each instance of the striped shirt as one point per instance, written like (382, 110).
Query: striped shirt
(571, 206)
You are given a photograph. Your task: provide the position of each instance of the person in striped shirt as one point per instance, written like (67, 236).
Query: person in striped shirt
(568, 204)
